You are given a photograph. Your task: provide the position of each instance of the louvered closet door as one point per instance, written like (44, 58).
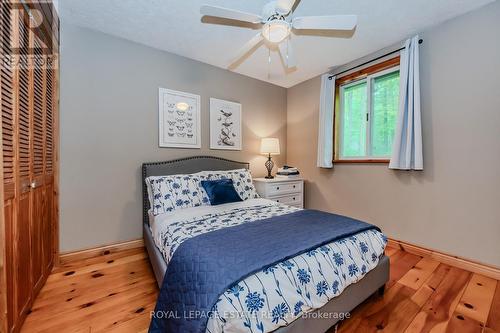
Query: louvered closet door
(28, 110)
(22, 230)
(48, 199)
(37, 177)
(7, 109)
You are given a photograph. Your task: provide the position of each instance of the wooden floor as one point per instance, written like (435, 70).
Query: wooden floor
(112, 293)
(116, 292)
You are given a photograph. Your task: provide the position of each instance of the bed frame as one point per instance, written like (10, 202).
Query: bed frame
(320, 320)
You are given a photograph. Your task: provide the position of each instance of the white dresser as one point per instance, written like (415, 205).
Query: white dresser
(286, 191)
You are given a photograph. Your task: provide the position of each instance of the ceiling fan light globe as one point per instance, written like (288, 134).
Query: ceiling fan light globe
(276, 31)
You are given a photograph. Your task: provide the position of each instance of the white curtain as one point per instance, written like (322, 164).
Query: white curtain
(326, 111)
(407, 146)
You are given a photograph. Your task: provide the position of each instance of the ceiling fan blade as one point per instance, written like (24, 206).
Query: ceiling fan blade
(231, 14)
(333, 22)
(284, 7)
(287, 54)
(246, 48)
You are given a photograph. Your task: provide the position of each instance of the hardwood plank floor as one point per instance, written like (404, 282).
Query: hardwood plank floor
(116, 292)
(111, 293)
(427, 296)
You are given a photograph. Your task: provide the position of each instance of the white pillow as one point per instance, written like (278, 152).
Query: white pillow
(174, 192)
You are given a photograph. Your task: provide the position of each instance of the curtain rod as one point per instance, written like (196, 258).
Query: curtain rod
(420, 41)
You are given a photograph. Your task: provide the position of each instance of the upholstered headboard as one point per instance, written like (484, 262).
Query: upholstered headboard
(183, 166)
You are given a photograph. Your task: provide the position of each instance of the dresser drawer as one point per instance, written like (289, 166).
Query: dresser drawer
(284, 188)
(291, 200)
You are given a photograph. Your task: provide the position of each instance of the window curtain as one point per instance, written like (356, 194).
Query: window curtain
(326, 112)
(407, 146)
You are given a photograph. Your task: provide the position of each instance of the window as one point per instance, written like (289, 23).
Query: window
(368, 104)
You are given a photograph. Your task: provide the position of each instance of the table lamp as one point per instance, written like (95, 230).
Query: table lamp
(270, 146)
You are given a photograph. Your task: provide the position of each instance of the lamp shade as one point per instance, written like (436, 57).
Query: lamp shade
(270, 146)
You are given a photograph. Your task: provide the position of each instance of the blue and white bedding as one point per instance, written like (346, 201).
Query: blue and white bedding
(176, 192)
(277, 295)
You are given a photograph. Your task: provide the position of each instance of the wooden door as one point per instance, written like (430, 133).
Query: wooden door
(22, 226)
(37, 173)
(49, 220)
(29, 123)
(7, 108)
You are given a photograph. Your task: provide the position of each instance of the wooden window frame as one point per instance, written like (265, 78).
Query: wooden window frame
(350, 78)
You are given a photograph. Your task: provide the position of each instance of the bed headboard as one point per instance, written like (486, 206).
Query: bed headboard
(183, 166)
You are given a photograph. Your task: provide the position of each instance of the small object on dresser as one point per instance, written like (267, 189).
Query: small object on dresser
(270, 146)
(288, 172)
(278, 176)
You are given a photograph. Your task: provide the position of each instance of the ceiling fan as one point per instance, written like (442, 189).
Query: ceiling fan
(278, 24)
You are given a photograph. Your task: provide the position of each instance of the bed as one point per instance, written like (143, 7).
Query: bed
(313, 318)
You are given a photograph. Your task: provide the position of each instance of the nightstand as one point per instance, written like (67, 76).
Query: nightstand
(285, 191)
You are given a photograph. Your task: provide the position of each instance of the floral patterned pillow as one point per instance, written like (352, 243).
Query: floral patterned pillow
(242, 181)
(176, 192)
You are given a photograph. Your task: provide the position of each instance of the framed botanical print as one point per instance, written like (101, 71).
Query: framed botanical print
(225, 125)
(179, 119)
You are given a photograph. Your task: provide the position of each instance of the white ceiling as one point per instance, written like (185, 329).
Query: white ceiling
(176, 26)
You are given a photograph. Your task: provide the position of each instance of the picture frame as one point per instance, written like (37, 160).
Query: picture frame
(179, 116)
(225, 125)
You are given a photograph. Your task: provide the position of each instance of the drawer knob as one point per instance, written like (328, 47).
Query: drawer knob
(293, 186)
(277, 187)
(293, 198)
(278, 200)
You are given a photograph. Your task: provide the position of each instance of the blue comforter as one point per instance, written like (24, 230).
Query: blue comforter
(203, 267)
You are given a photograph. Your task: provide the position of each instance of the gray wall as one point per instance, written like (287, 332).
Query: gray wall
(454, 204)
(109, 126)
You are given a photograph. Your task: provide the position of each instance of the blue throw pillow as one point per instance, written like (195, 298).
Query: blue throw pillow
(220, 191)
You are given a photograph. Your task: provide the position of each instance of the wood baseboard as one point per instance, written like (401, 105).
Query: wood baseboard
(67, 257)
(449, 259)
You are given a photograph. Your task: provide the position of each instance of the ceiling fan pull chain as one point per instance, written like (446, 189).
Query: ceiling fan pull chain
(287, 48)
(269, 63)
(269, 60)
